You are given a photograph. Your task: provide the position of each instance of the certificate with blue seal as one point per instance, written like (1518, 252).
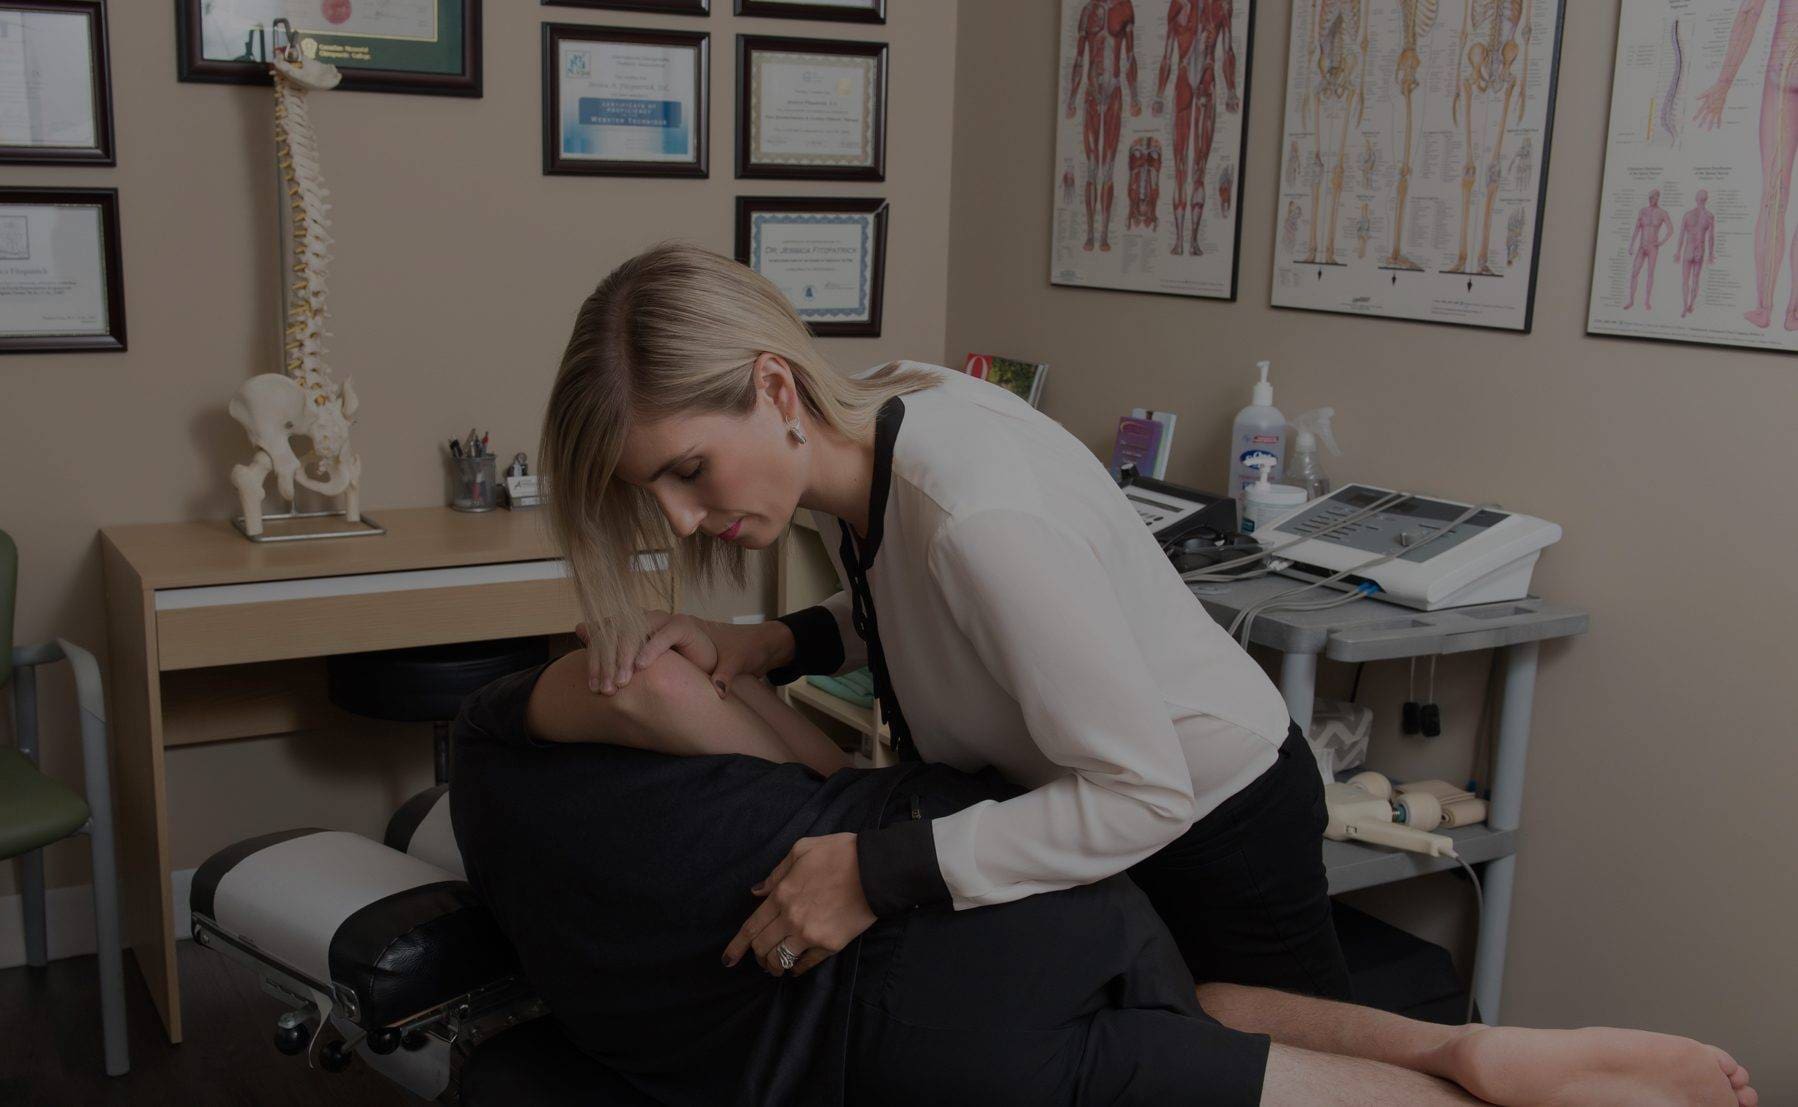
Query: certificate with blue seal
(624, 101)
(827, 255)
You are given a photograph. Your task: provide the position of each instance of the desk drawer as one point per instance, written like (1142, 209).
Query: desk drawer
(330, 615)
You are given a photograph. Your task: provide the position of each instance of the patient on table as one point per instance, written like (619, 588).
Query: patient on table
(616, 839)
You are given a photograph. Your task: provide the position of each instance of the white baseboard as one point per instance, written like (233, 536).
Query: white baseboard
(69, 920)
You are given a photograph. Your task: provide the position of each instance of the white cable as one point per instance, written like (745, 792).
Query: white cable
(1479, 904)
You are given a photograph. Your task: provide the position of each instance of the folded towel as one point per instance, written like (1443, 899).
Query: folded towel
(856, 687)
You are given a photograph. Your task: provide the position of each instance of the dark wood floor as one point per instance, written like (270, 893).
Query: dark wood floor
(50, 1044)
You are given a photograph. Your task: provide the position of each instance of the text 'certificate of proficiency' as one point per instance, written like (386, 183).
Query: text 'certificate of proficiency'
(624, 101)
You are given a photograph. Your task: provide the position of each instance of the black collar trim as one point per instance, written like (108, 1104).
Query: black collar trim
(886, 435)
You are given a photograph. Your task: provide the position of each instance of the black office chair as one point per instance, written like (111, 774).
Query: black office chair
(426, 684)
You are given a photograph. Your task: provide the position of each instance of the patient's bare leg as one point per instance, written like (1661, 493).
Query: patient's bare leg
(1503, 1065)
(807, 742)
(1301, 1078)
(671, 706)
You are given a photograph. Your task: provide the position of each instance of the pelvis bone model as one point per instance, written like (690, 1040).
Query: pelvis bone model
(304, 401)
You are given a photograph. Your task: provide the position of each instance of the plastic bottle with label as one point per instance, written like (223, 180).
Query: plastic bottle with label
(1260, 431)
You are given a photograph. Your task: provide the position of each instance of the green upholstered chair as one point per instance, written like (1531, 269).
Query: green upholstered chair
(36, 810)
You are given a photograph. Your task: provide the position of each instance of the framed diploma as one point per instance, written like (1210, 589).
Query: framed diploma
(666, 7)
(827, 255)
(60, 277)
(811, 109)
(846, 11)
(55, 87)
(422, 46)
(621, 101)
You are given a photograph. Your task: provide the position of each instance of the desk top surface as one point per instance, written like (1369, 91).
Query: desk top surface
(185, 555)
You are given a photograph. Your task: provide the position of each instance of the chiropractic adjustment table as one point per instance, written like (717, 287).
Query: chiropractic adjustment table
(387, 955)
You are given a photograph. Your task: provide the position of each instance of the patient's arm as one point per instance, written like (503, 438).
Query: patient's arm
(672, 707)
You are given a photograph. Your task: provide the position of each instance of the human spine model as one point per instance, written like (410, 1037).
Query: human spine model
(304, 401)
(1419, 17)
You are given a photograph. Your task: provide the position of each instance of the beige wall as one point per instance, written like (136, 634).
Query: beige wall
(1656, 885)
(459, 267)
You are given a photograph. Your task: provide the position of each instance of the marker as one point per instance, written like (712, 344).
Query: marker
(455, 448)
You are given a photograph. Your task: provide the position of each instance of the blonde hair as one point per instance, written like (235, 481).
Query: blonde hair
(674, 330)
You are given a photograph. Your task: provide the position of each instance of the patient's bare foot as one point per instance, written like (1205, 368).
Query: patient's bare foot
(1596, 1067)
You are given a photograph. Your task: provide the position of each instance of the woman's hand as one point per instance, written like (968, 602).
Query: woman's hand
(611, 656)
(812, 903)
(725, 650)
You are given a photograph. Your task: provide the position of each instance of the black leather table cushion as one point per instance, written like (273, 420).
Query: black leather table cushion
(418, 948)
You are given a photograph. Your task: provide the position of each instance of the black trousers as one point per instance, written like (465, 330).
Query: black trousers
(1244, 891)
(1062, 999)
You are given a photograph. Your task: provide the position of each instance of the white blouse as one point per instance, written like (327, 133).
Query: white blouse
(1030, 622)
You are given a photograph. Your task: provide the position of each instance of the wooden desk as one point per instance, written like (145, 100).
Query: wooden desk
(211, 636)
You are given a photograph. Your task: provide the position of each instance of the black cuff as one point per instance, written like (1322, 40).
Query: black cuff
(899, 868)
(817, 645)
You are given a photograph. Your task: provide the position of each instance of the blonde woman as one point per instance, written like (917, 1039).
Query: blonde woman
(1013, 608)
(1018, 617)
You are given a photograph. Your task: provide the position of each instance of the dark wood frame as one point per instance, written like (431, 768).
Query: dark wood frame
(870, 205)
(660, 7)
(876, 13)
(746, 44)
(191, 66)
(553, 161)
(107, 200)
(103, 152)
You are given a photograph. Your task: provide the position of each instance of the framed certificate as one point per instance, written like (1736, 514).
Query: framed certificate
(846, 11)
(621, 101)
(827, 255)
(60, 275)
(422, 46)
(811, 109)
(666, 7)
(55, 87)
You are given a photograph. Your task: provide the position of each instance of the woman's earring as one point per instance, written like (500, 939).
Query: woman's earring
(794, 430)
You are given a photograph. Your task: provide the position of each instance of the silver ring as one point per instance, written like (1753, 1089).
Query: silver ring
(787, 957)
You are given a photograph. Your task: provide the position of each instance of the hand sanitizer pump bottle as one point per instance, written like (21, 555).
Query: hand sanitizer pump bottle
(1306, 471)
(1260, 431)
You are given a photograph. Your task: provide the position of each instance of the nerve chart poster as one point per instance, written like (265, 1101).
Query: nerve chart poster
(1694, 224)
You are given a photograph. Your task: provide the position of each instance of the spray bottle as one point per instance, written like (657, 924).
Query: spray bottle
(1260, 431)
(1305, 471)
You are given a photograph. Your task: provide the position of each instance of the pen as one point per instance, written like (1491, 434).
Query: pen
(455, 448)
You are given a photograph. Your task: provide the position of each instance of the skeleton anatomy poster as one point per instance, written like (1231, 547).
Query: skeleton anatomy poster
(1704, 129)
(1150, 116)
(1415, 158)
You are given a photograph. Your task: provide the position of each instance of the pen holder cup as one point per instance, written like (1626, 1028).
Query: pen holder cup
(477, 486)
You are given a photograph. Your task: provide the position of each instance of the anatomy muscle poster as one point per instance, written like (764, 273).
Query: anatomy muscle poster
(1693, 226)
(1150, 116)
(1415, 158)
